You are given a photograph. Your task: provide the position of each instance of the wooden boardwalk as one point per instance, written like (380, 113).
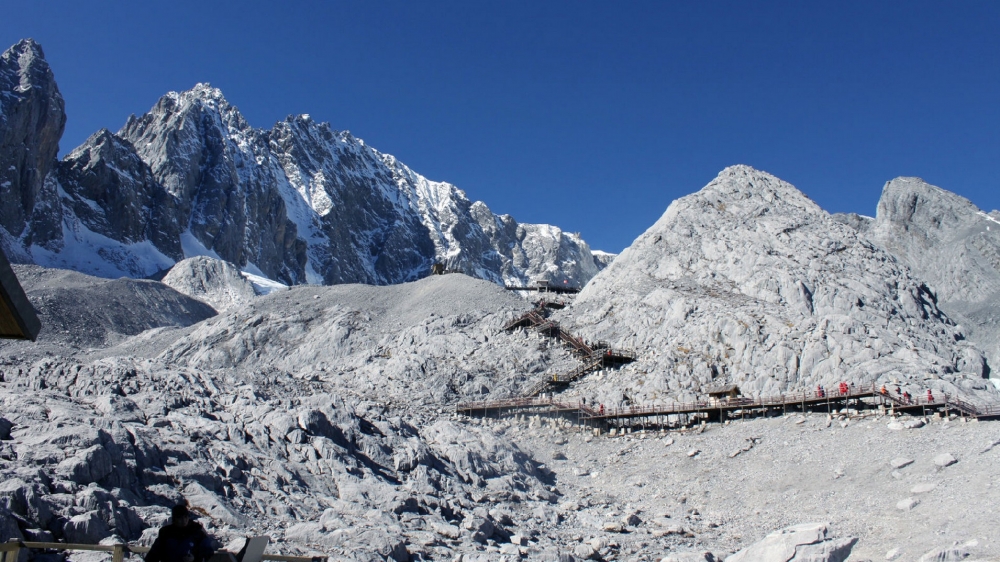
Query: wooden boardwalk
(595, 355)
(685, 413)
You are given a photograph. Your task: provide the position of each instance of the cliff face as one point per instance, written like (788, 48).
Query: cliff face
(952, 244)
(32, 119)
(110, 190)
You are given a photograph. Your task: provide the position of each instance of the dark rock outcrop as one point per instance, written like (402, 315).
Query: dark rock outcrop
(112, 192)
(32, 118)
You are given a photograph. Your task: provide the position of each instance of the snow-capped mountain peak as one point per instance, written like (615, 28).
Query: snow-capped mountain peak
(300, 202)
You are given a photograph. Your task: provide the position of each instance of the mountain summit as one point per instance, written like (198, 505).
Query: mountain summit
(749, 282)
(298, 203)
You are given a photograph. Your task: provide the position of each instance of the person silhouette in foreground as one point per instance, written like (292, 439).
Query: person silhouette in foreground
(183, 540)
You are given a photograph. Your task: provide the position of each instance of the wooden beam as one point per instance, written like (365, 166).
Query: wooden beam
(17, 317)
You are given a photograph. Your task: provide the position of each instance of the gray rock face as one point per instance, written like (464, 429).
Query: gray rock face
(89, 465)
(748, 281)
(215, 282)
(87, 528)
(112, 192)
(218, 170)
(32, 119)
(951, 243)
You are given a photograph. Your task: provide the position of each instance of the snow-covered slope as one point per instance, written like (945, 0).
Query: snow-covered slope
(298, 203)
(748, 281)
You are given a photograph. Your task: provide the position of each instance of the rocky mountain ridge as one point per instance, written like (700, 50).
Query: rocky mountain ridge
(298, 203)
(952, 244)
(749, 282)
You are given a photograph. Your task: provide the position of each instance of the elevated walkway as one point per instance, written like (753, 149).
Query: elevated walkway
(560, 290)
(593, 355)
(685, 413)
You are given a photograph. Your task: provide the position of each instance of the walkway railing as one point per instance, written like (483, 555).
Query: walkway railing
(10, 551)
(594, 354)
(802, 399)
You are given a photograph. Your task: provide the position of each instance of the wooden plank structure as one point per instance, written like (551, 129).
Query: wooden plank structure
(10, 551)
(593, 355)
(17, 317)
(545, 288)
(686, 413)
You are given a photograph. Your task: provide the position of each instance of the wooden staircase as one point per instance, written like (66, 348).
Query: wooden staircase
(593, 355)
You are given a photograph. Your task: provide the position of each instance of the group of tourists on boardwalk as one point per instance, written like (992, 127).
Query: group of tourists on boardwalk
(906, 396)
(843, 389)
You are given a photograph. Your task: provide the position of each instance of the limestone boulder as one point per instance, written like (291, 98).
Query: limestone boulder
(799, 543)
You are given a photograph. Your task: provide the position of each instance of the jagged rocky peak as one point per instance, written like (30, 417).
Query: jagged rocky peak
(32, 118)
(748, 281)
(298, 203)
(221, 176)
(201, 122)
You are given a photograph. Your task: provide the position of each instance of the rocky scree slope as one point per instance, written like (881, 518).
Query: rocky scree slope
(99, 437)
(952, 244)
(748, 281)
(297, 203)
(80, 312)
(427, 343)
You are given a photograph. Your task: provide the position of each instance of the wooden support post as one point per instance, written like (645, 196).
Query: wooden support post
(118, 555)
(11, 550)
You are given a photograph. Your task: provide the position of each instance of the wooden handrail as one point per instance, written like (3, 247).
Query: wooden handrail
(118, 550)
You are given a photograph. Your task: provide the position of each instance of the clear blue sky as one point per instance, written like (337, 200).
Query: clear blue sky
(592, 116)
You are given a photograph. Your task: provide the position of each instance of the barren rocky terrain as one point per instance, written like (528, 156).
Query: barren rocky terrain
(301, 415)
